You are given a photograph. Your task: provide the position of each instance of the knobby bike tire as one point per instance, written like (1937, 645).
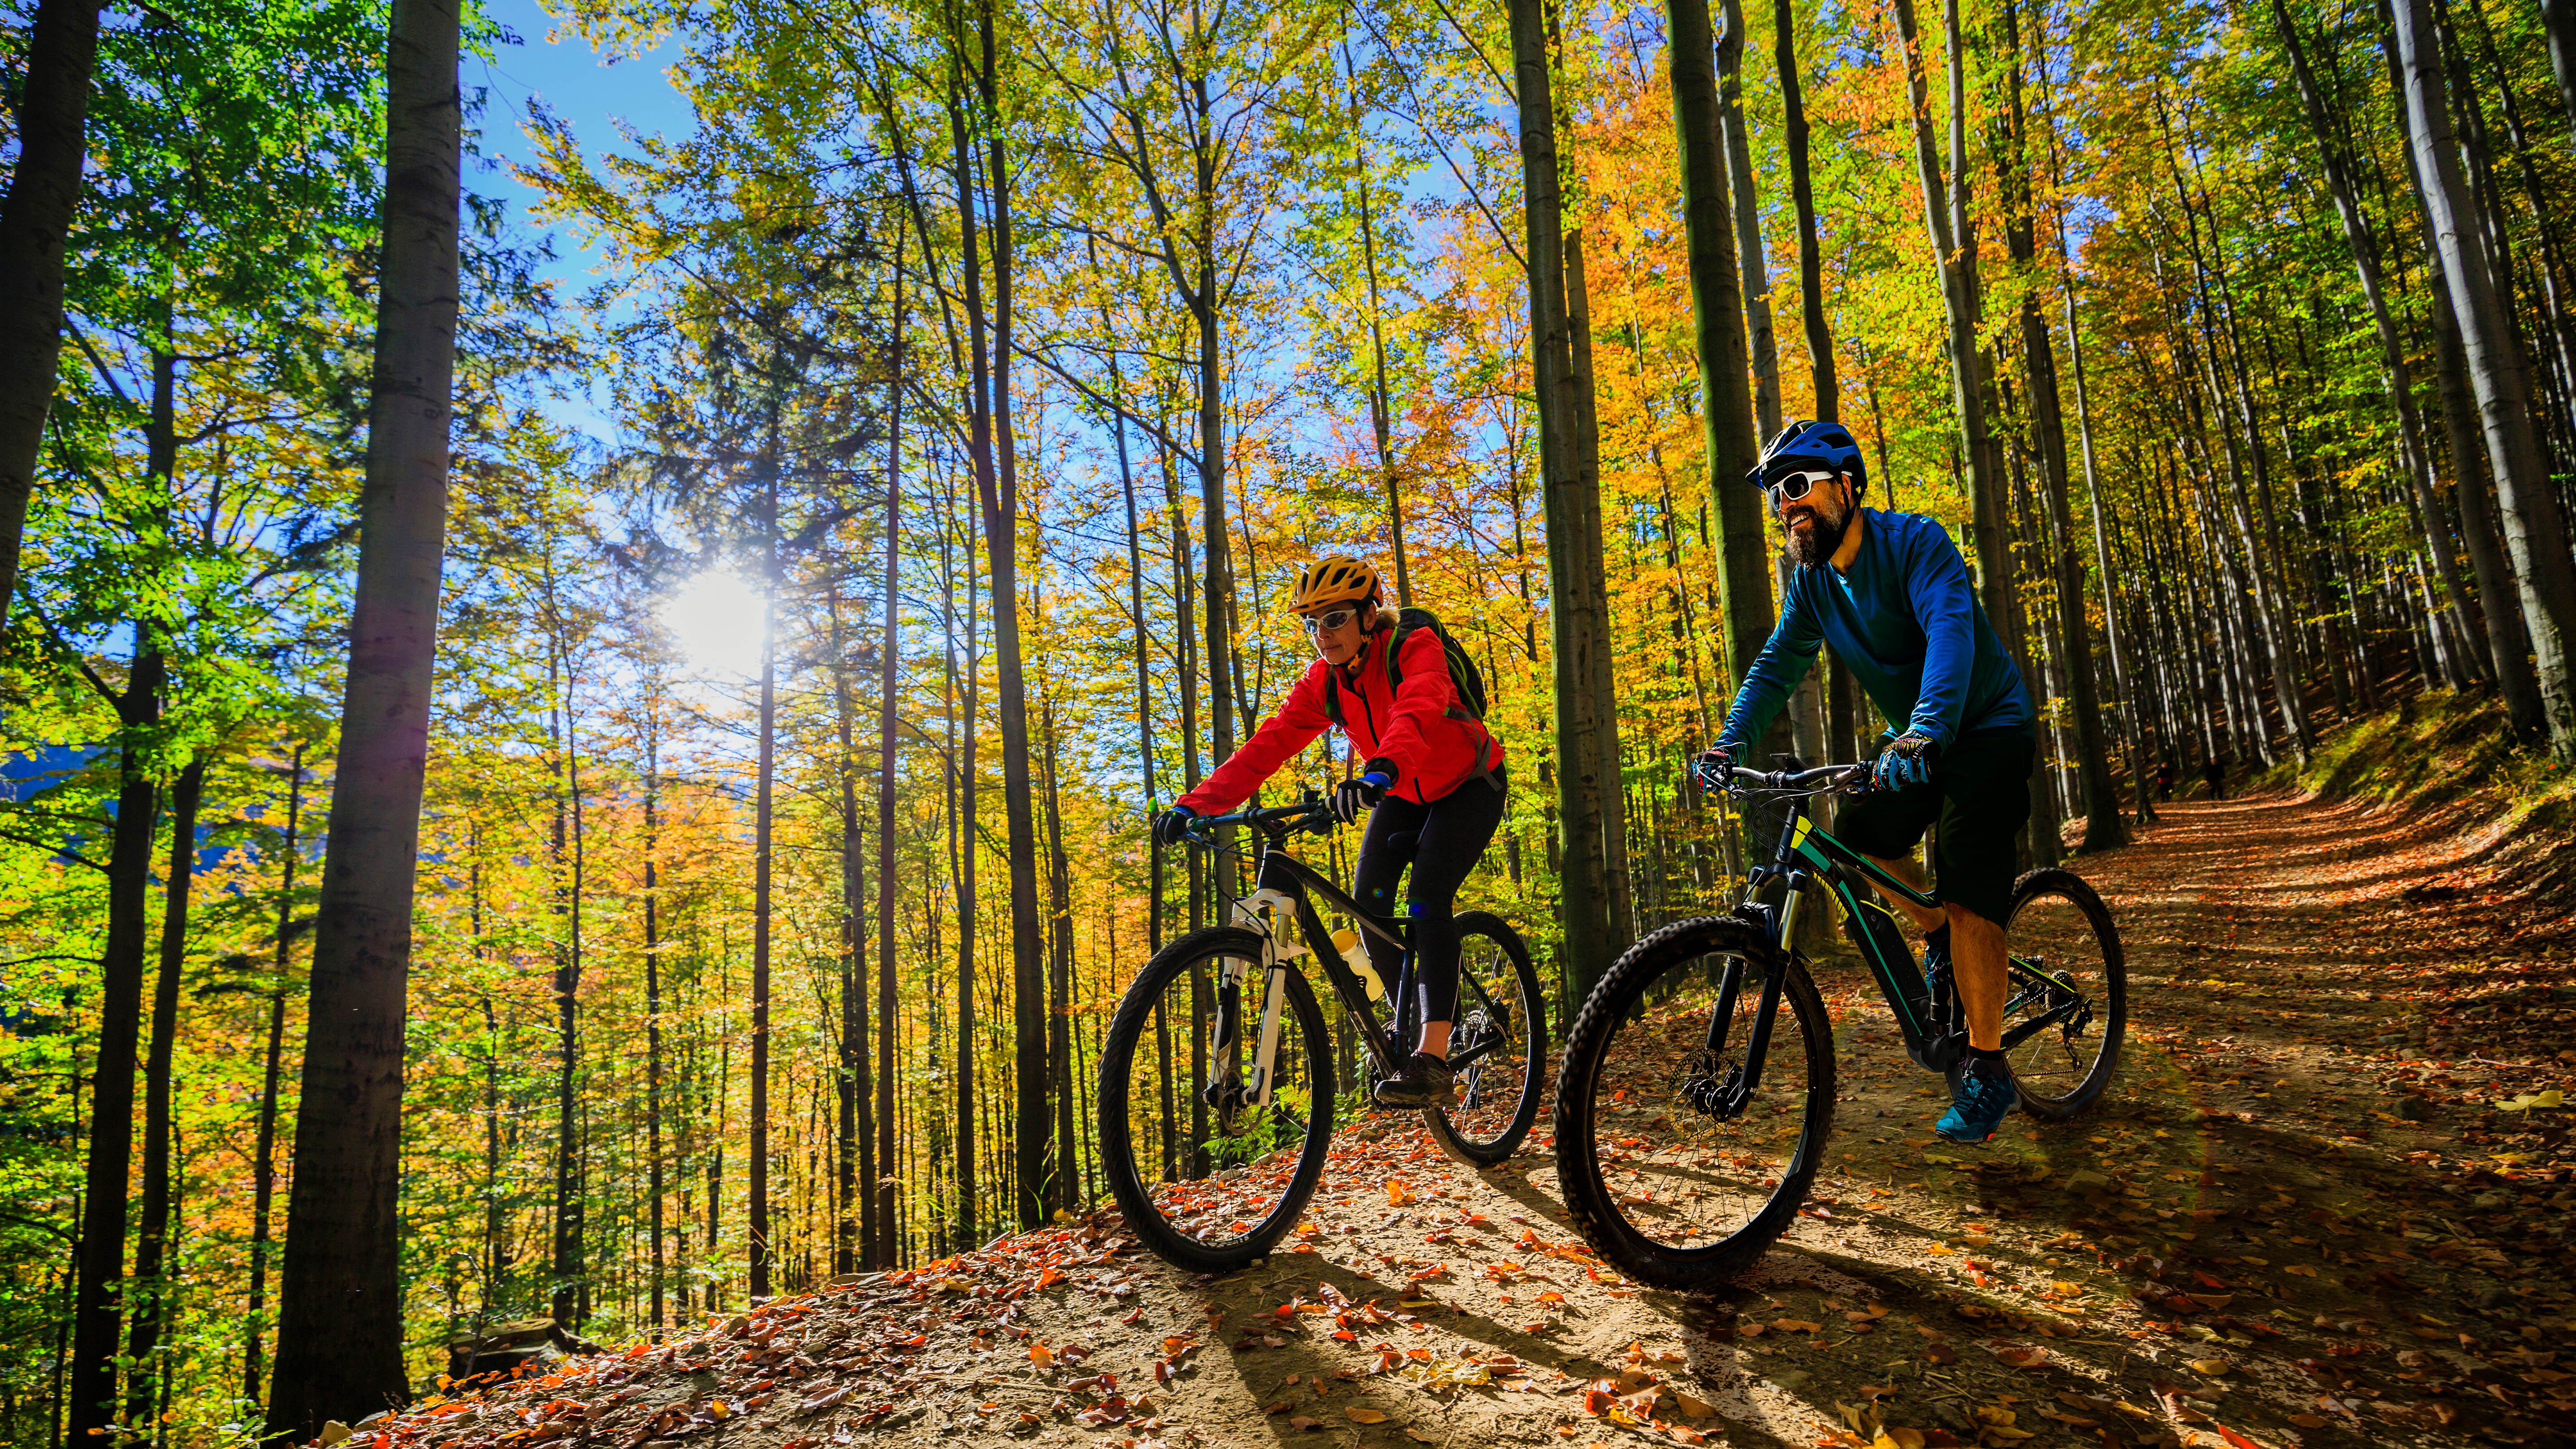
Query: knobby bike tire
(1127, 1027)
(2111, 1014)
(1622, 992)
(1467, 1144)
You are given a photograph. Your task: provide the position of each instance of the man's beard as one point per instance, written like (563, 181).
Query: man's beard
(1817, 541)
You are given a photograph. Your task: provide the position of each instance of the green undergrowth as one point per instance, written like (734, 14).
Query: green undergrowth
(2448, 752)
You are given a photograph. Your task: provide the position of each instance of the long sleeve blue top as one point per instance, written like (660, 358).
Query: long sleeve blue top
(1906, 622)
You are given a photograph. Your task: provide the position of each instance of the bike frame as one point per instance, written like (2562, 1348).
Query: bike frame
(1287, 887)
(1935, 1034)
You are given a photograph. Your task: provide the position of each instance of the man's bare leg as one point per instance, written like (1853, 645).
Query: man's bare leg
(1977, 959)
(1976, 954)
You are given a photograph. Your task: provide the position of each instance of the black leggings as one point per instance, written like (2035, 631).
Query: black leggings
(1442, 841)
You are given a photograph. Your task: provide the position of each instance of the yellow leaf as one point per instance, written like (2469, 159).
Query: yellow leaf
(1898, 1439)
(2528, 1100)
(1359, 1415)
(1397, 1194)
(2213, 1367)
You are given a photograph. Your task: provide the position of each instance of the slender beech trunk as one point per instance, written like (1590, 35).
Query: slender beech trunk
(572, 1291)
(340, 1329)
(2103, 827)
(51, 120)
(264, 1159)
(653, 1188)
(997, 489)
(763, 842)
(1717, 320)
(150, 1294)
(1381, 401)
(2534, 531)
(854, 1145)
(106, 1187)
(1751, 256)
(889, 656)
(1573, 533)
(2558, 19)
(1802, 193)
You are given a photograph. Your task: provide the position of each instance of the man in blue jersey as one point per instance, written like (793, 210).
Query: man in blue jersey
(1889, 592)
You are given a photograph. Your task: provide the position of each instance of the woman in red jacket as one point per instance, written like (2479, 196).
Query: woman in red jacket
(1433, 786)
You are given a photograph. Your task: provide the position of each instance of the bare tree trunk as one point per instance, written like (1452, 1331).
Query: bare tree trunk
(1573, 534)
(148, 1296)
(572, 1293)
(889, 656)
(107, 1182)
(2534, 531)
(340, 1331)
(1717, 316)
(51, 119)
(1751, 257)
(763, 845)
(854, 1224)
(653, 998)
(264, 1159)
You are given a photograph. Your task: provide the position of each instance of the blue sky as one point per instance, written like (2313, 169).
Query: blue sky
(591, 95)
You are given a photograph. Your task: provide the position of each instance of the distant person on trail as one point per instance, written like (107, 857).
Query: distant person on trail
(1888, 591)
(2215, 772)
(2164, 780)
(1433, 784)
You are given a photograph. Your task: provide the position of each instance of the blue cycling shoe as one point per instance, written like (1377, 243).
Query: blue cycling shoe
(1984, 1096)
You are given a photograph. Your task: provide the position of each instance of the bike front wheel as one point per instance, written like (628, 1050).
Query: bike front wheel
(1501, 1036)
(1674, 1173)
(1208, 1177)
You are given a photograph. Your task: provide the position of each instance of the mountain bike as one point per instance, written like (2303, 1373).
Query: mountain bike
(1698, 1085)
(1217, 1102)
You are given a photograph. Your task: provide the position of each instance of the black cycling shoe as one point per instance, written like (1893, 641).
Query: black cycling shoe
(1423, 1081)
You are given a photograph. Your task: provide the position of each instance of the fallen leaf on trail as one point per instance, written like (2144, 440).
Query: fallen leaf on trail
(1421, 1436)
(1301, 1422)
(2213, 1367)
(1941, 1353)
(1039, 1353)
(2021, 1357)
(1898, 1439)
(1796, 1325)
(1358, 1415)
(1397, 1194)
(1693, 1406)
(2528, 1100)
(2308, 1421)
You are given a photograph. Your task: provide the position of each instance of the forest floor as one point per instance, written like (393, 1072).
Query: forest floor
(2300, 1218)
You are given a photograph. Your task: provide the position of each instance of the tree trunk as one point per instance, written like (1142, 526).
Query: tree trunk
(997, 486)
(149, 1297)
(763, 843)
(107, 1184)
(1573, 533)
(1751, 257)
(1811, 263)
(340, 1331)
(51, 120)
(889, 656)
(264, 1160)
(653, 1189)
(2534, 532)
(854, 1221)
(2103, 827)
(572, 1292)
(1717, 319)
(2558, 18)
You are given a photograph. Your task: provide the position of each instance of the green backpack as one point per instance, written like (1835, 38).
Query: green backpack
(1464, 677)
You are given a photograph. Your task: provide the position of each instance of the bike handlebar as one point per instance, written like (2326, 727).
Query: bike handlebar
(1283, 819)
(1815, 781)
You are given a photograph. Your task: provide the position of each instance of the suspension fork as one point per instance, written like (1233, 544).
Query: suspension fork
(1726, 1098)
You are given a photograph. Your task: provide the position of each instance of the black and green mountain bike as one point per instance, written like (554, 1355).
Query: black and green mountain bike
(1698, 1086)
(1217, 1099)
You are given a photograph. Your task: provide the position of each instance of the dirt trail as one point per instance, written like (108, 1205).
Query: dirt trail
(2299, 1219)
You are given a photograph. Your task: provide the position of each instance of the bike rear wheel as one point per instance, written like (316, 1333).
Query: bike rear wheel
(2066, 1004)
(1210, 1186)
(1670, 1192)
(1499, 1018)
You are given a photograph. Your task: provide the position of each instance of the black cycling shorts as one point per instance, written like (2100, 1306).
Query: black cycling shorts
(1980, 794)
(1442, 842)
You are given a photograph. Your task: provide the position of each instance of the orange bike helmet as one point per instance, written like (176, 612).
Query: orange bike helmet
(1332, 579)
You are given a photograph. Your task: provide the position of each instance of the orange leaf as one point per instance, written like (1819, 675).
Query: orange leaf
(1358, 1415)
